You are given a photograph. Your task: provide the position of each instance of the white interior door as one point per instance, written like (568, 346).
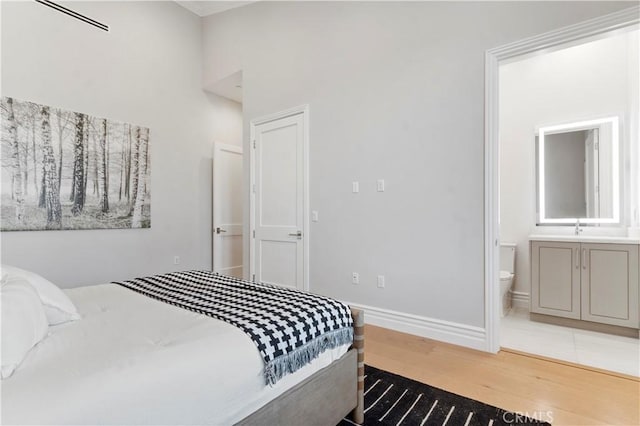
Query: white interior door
(227, 209)
(278, 249)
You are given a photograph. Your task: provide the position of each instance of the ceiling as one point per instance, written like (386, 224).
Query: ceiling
(206, 8)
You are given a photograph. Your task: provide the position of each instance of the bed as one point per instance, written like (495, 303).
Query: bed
(131, 359)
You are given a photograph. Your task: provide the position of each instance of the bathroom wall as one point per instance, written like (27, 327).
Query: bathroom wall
(587, 81)
(633, 65)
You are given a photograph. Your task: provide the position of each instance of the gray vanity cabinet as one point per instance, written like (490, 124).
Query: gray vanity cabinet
(586, 281)
(610, 284)
(555, 278)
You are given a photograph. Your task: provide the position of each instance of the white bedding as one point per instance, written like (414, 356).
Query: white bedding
(134, 360)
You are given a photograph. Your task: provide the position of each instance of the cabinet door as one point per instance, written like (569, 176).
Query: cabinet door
(610, 284)
(555, 279)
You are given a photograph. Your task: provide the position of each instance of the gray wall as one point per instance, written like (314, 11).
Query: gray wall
(147, 70)
(396, 91)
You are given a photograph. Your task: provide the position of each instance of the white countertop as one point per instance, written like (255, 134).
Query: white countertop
(585, 239)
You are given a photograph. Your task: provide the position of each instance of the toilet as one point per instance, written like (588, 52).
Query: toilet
(507, 273)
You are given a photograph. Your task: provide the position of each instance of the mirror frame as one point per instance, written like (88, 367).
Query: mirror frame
(615, 156)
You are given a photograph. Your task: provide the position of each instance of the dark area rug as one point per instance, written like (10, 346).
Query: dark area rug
(395, 400)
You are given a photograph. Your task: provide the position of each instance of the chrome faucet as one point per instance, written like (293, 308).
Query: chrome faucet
(578, 229)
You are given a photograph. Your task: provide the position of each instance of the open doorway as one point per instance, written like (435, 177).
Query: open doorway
(556, 81)
(227, 177)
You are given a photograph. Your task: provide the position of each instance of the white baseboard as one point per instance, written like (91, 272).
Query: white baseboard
(445, 331)
(520, 299)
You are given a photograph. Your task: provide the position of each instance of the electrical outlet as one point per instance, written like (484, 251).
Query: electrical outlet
(355, 278)
(380, 281)
(176, 260)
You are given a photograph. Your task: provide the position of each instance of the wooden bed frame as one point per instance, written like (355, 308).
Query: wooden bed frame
(327, 396)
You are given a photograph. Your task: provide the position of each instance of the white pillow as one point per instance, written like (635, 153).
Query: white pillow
(23, 323)
(58, 308)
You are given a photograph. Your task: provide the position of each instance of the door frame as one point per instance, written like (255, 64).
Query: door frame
(219, 146)
(576, 34)
(306, 231)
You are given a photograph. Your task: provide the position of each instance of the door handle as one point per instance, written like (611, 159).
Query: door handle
(584, 258)
(219, 230)
(297, 234)
(577, 258)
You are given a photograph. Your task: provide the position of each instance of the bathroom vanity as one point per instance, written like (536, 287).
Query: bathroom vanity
(579, 280)
(591, 282)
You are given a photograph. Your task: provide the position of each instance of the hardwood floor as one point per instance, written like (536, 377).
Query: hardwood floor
(547, 390)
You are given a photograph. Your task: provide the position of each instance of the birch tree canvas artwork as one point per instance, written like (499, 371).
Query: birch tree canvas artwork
(68, 170)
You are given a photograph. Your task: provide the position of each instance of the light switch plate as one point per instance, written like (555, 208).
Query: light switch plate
(355, 187)
(380, 281)
(314, 215)
(380, 185)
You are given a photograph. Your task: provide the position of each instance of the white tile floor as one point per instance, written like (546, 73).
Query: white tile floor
(606, 351)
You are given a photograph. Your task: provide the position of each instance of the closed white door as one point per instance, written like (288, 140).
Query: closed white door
(227, 209)
(278, 246)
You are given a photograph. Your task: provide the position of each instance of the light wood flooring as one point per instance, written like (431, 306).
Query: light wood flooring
(570, 394)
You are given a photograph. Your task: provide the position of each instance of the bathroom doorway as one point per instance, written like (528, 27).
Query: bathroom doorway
(537, 89)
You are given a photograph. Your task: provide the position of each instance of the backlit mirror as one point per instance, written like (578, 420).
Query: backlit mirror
(578, 172)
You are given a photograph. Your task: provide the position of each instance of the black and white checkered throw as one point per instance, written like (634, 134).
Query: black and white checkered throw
(289, 327)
